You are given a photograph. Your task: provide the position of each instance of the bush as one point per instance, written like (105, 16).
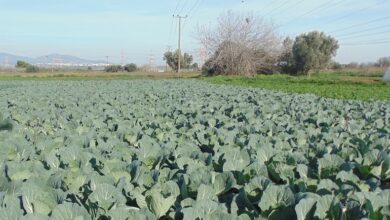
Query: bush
(32, 69)
(336, 66)
(211, 69)
(132, 67)
(22, 64)
(113, 68)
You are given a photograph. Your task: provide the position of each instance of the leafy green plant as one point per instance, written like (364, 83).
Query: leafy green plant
(187, 149)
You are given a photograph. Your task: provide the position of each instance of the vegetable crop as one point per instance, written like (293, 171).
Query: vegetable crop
(186, 149)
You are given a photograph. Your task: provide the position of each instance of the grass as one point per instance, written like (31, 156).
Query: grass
(346, 85)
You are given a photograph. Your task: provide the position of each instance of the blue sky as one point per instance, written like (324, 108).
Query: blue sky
(94, 29)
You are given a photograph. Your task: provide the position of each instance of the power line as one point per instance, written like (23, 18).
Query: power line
(196, 5)
(364, 30)
(293, 6)
(353, 13)
(325, 6)
(367, 43)
(320, 7)
(184, 5)
(172, 22)
(266, 7)
(360, 24)
(365, 35)
(193, 11)
(276, 8)
(177, 7)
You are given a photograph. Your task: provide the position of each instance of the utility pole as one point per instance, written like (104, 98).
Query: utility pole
(107, 60)
(169, 47)
(179, 42)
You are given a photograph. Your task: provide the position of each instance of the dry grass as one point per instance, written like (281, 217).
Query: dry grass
(362, 79)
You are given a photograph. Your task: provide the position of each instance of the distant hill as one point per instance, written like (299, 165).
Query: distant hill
(10, 60)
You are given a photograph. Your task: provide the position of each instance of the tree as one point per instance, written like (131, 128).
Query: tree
(132, 67)
(384, 62)
(22, 64)
(313, 51)
(195, 66)
(172, 59)
(240, 44)
(286, 60)
(113, 68)
(353, 65)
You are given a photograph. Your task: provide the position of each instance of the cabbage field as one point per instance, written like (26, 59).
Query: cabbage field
(187, 149)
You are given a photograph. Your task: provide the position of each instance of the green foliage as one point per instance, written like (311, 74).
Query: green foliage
(336, 66)
(32, 69)
(210, 69)
(113, 68)
(132, 67)
(313, 51)
(172, 59)
(22, 64)
(195, 66)
(325, 85)
(187, 149)
(286, 60)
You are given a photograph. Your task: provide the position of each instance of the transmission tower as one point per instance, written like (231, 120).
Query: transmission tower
(123, 58)
(151, 62)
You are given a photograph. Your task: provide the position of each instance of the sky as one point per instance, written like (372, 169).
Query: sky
(140, 31)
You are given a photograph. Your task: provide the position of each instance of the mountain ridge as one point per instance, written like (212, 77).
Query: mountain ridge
(7, 59)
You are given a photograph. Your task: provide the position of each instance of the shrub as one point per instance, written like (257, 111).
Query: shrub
(32, 69)
(131, 67)
(22, 64)
(113, 68)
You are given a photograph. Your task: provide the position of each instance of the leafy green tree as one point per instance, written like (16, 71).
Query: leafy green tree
(132, 67)
(22, 64)
(172, 59)
(313, 51)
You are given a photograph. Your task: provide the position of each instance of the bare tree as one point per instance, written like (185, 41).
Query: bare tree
(384, 62)
(241, 44)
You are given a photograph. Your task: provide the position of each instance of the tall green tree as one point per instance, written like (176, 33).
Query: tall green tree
(313, 51)
(172, 59)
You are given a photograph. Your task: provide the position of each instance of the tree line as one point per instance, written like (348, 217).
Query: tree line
(245, 44)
